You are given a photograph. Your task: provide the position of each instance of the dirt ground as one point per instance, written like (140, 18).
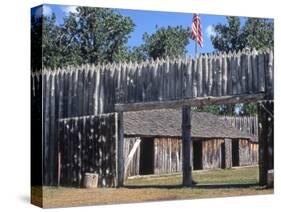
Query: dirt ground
(209, 184)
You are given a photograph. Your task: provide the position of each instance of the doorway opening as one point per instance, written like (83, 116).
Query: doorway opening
(197, 155)
(146, 156)
(235, 152)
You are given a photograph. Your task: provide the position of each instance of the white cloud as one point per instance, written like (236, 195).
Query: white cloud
(47, 11)
(69, 9)
(210, 31)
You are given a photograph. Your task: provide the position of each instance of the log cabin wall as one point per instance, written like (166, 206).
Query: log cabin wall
(248, 153)
(168, 155)
(211, 153)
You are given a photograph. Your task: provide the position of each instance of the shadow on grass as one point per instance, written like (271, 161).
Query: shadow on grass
(196, 186)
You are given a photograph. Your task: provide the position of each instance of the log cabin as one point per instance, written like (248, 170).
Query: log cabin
(153, 143)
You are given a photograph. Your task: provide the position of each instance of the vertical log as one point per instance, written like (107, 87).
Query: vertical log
(215, 76)
(224, 74)
(86, 90)
(70, 88)
(229, 73)
(194, 78)
(261, 72)
(219, 74)
(269, 75)
(200, 77)
(244, 87)
(249, 73)
(228, 153)
(53, 131)
(97, 88)
(254, 63)
(205, 75)
(186, 146)
(46, 130)
(210, 75)
(239, 72)
(101, 90)
(91, 90)
(120, 157)
(265, 120)
(189, 78)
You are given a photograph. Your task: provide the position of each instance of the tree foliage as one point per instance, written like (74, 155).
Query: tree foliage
(90, 35)
(255, 33)
(169, 41)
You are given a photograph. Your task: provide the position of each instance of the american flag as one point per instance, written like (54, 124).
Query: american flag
(196, 33)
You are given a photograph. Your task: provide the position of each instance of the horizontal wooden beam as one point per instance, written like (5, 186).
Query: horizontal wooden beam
(194, 102)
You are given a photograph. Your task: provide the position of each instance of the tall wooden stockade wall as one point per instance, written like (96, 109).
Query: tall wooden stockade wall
(93, 90)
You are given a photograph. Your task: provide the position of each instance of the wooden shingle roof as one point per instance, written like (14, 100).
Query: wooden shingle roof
(167, 122)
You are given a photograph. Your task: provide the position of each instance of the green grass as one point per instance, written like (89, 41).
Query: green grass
(210, 184)
(247, 175)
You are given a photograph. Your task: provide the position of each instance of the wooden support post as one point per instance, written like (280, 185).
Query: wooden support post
(120, 146)
(228, 153)
(186, 146)
(265, 120)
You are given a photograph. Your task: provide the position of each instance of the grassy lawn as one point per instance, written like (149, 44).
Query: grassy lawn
(247, 175)
(216, 183)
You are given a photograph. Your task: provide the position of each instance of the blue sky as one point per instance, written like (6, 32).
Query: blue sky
(146, 21)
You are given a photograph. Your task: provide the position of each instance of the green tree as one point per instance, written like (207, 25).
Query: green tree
(255, 33)
(102, 34)
(51, 45)
(170, 41)
(137, 54)
(228, 36)
(258, 33)
(90, 35)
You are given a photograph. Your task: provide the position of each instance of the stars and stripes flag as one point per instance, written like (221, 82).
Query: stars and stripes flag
(196, 32)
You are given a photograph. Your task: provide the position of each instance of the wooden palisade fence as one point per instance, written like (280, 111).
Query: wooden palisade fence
(88, 144)
(96, 89)
(247, 124)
